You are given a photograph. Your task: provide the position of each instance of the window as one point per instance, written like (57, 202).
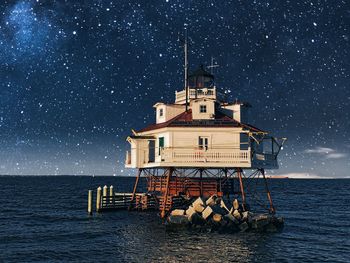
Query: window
(161, 112)
(202, 108)
(244, 141)
(161, 144)
(203, 143)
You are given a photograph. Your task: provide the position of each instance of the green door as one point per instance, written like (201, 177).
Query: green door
(161, 144)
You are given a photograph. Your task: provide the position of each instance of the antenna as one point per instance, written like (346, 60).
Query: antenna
(186, 68)
(184, 43)
(212, 65)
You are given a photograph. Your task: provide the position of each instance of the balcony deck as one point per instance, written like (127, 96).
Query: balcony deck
(196, 158)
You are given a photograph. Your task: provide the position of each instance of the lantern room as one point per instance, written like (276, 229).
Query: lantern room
(200, 79)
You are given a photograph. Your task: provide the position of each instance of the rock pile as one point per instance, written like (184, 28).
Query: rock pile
(213, 213)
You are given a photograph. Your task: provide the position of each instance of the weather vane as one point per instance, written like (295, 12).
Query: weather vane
(212, 65)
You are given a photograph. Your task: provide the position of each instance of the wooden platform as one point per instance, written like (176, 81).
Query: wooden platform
(193, 187)
(119, 201)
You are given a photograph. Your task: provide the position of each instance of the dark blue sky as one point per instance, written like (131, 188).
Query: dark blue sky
(76, 76)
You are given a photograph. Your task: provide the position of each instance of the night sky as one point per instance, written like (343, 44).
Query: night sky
(77, 76)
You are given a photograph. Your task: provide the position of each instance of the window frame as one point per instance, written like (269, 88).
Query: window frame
(161, 112)
(203, 106)
(203, 142)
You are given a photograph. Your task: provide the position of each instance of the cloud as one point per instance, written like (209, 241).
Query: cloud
(320, 150)
(303, 176)
(327, 153)
(336, 155)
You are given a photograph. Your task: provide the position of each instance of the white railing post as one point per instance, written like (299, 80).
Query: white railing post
(98, 199)
(111, 194)
(90, 202)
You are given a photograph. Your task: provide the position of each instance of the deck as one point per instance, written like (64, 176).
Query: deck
(211, 158)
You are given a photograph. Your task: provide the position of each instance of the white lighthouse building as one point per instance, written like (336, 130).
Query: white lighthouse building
(208, 132)
(200, 145)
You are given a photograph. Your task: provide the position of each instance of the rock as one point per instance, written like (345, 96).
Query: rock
(237, 214)
(178, 219)
(243, 227)
(197, 219)
(246, 216)
(217, 218)
(229, 217)
(211, 200)
(190, 211)
(223, 205)
(178, 212)
(219, 210)
(198, 207)
(260, 221)
(207, 212)
(235, 204)
(198, 201)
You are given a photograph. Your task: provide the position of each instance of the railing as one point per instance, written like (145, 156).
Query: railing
(222, 155)
(265, 160)
(198, 93)
(265, 156)
(123, 201)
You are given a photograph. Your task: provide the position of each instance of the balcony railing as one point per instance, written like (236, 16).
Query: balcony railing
(210, 93)
(265, 160)
(223, 155)
(196, 157)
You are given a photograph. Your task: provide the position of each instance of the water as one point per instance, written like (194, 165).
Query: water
(44, 219)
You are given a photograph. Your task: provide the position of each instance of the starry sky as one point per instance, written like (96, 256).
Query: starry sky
(76, 76)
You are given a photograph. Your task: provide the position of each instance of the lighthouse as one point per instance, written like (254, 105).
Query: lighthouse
(201, 145)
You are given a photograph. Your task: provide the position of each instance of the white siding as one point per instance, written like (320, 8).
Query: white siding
(210, 109)
(169, 111)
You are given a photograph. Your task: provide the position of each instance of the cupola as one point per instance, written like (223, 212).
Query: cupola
(200, 78)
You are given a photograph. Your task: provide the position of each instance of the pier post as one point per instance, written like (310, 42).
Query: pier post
(166, 193)
(201, 181)
(272, 208)
(111, 194)
(135, 189)
(98, 199)
(90, 202)
(105, 188)
(239, 174)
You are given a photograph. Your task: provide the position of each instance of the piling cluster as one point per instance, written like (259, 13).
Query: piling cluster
(214, 214)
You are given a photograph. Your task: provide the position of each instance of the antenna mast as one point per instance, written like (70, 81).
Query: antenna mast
(212, 66)
(186, 68)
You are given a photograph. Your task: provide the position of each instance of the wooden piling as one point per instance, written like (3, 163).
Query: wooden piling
(105, 188)
(90, 202)
(98, 199)
(111, 194)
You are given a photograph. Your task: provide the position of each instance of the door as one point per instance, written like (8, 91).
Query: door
(161, 145)
(151, 151)
(203, 143)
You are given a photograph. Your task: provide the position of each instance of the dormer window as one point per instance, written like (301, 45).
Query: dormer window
(161, 112)
(203, 108)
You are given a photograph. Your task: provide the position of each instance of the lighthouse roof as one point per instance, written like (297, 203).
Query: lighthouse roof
(201, 72)
(185, 119)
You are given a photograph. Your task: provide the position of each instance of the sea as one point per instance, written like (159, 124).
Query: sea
(44, 219)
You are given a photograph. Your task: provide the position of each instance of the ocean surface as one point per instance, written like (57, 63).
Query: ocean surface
(44, 219)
